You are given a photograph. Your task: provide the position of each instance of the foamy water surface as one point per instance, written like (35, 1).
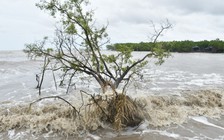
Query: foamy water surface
(184, 100)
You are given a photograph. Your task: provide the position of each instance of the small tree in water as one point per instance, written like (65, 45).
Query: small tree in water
(77, 49)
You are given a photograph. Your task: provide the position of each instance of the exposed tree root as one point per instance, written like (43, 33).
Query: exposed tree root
(120, 111)
(123, 111)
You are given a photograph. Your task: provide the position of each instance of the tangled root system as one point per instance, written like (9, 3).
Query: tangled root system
(121, 111)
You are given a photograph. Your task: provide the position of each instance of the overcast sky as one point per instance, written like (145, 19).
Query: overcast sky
(129, 20)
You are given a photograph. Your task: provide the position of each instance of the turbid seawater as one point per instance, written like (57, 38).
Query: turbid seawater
(184, 99)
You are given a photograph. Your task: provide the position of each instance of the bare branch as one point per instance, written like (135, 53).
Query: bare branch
(58, 97)
(158, 32)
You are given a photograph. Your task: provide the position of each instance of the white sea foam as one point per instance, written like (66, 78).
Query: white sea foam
(161, 89)
(204, 120)
(53, 116)
(11, 133)
(172, 135)
(91, 136)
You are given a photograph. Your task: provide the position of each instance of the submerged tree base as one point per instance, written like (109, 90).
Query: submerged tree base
(58, 117)
(120, 111)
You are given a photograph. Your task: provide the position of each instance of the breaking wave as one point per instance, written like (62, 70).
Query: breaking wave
(54, 116)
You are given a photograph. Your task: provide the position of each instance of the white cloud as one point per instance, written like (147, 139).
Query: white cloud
(192, 19)
(21, 22)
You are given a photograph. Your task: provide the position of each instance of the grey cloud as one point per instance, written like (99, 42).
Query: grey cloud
(212, 7)
(130, 11)
(129, 20)
(23, 23)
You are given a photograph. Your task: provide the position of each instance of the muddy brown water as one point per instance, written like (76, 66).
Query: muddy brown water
(183, 97)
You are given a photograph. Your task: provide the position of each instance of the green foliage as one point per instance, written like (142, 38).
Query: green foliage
(109, 58)
(33, 49)
(71, 29)
(77, 47)
(160, 54)
(174, 46)
(77, 52)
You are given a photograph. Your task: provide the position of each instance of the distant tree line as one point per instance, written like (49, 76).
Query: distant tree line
(213, 46)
